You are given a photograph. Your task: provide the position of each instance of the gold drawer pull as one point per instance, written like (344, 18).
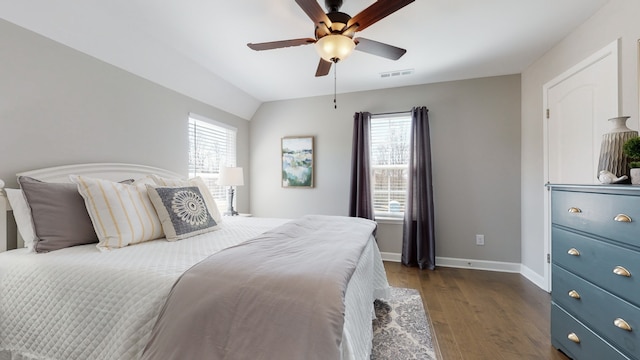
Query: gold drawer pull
(573, 252)
(574, 294)
(619, 270)
(574, 210)
(622, 218)
(622, 324)
(573, 337)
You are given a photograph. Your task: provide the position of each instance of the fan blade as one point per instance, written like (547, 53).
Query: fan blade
(376, 12)
(314, 11)
(323, 67)
(378, 48)
(281, 44)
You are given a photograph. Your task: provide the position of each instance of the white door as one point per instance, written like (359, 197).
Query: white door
(578, 104)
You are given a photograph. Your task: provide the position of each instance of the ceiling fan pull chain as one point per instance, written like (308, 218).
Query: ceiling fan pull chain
(335, 86)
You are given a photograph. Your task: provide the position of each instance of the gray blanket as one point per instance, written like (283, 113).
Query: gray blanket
(278, 296)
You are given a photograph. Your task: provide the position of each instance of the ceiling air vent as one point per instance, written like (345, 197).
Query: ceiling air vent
(390, 74)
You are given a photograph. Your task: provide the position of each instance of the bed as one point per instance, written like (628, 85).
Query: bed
(260, 292)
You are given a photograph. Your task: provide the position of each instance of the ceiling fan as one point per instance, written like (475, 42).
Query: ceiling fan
(334, 33)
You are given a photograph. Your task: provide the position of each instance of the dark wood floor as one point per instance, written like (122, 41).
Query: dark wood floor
(482, 315)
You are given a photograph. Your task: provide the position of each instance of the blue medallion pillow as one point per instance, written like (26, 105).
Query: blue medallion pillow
(182, 211)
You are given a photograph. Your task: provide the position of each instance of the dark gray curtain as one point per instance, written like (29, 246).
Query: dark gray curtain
(360, 199)
(418, 238)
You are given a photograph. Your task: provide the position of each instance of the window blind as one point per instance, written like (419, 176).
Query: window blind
(389, 163)
(211, 145)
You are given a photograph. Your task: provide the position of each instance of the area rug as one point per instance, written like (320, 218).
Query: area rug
(401, 328)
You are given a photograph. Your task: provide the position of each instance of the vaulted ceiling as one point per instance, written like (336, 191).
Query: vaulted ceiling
(198, 47)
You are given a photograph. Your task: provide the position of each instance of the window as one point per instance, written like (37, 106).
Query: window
(390, 163)
(211, 146)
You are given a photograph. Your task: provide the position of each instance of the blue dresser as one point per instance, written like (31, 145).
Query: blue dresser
(595, 236)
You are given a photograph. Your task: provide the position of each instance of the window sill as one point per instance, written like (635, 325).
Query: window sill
(389, 220)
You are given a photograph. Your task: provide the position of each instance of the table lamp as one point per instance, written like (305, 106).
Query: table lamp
(231, 176)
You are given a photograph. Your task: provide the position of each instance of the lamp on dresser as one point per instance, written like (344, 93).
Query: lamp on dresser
(231, 176)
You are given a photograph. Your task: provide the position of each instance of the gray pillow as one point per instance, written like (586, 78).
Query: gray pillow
(60, 217)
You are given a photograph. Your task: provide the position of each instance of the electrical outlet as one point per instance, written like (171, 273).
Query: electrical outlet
(479, 239)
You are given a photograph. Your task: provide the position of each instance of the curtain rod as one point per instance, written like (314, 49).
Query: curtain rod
(393, 113)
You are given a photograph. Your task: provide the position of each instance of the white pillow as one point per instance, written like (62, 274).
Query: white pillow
(122, 214)
(22, 215)
(182, 210)
(196, 181)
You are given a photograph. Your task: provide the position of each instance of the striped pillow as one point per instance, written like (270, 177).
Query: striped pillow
(121, 214)
(196, 181)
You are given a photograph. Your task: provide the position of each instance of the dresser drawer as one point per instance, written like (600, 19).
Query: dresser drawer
(596, 213)
(596, 260)
(599, 310)
(589, 346)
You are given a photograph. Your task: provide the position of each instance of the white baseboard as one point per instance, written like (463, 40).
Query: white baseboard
(534, 277)
(393, 257)
(500, 266)
(478, 264)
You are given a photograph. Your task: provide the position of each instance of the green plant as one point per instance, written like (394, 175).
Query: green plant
(631, 148)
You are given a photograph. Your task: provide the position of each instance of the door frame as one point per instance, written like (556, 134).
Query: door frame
(610, 50)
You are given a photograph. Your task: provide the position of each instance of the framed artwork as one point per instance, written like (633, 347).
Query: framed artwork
(297, 161)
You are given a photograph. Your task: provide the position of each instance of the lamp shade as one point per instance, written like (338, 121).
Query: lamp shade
(231, 176)
(335, 47)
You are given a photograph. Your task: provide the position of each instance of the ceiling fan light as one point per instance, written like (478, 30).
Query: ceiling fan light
(338, 26)
(335, 48)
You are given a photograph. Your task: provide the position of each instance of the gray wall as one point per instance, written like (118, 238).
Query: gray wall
(59, 106)
(616, 20)
(475, 132)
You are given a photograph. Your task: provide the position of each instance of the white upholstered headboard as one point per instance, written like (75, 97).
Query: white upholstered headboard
(109, 171)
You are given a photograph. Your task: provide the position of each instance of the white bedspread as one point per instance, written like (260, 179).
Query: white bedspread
(80, 303)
